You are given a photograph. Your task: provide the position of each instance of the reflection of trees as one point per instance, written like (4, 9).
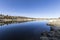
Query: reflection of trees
(14, 19)
(6, 19)
(10, 22)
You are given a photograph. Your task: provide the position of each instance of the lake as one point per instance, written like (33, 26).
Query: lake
(23, 31)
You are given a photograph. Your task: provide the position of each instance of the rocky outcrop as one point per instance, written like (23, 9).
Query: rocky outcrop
(52, 35)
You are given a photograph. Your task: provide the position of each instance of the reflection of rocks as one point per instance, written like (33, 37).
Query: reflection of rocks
(52, 35)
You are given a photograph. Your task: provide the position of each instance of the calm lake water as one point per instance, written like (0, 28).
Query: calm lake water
(23, 31)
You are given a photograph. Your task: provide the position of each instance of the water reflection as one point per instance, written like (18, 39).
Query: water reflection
(6, 23)
(23, 31)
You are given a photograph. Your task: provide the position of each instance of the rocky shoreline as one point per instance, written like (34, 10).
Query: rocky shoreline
(52, 35)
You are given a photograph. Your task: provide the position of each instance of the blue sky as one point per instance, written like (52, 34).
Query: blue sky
(31, 8)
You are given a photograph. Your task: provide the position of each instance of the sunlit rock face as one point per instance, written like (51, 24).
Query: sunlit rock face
(23, 31)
